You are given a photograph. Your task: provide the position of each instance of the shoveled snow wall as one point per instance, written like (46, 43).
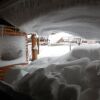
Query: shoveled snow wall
(13, 50)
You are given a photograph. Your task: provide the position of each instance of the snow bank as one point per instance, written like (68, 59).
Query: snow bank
(58, 67)
(8, 93)
(42, 87)
(14, 75)
(80, 67)
(90, 51)
(90, 94)
(93, 74)
(40, 63)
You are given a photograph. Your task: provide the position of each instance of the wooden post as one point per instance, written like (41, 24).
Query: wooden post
(34, 47)
(38, 44)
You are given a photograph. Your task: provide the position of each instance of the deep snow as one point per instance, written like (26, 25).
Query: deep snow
(80, 66)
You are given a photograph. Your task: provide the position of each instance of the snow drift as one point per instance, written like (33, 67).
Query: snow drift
(77, 71)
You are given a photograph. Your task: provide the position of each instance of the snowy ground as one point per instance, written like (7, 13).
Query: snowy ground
(58, 50)
(54, 51)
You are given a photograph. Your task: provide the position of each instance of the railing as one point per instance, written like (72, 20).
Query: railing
(10, 30)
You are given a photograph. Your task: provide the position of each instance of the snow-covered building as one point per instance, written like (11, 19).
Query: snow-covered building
(59, 37)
